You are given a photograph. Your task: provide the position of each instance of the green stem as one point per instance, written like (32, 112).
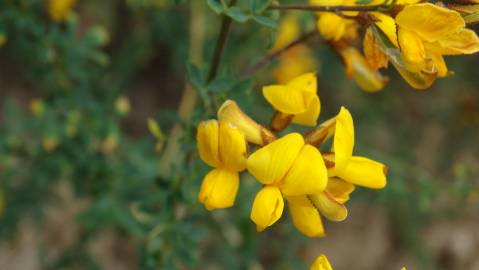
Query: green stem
(271, 56)
(220, 45)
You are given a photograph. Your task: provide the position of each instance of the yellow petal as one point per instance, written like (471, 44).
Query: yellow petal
(387, 25)
(254, 132)
(343, 142)
(364, 172)
(464, 41)
(295, 61)
(412, 49)
(429, 21)
(439, 65)
(325, 23)
(321, 263)
(372, 52)
(270, 163)
(219, 189)
(329, 207)
(232, 147)
(310, 116)
(358, 68)
(286, 99)
(339, 189)
(267, 207)
(305, 82)
(288, 31)
(207, 139)
(305, 216)
(307, 175)
(418, 80)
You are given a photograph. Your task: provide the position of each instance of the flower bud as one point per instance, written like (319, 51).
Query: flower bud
(254, 132)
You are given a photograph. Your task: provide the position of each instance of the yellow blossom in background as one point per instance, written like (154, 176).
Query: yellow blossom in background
(331, 25)
(60, 9)
(298, 59)
(222, 146)
(50, 143)
(109, 144)
(286, 167)
(122, 105)
(37, 107)
(297, 101)
(359, 69)
(321, 263)
(288, 30)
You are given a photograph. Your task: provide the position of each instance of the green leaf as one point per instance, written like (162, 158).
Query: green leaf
(223, 84)
(196, 76)
(237, 14)
(216, 6)
(258, 6)
(266, 21)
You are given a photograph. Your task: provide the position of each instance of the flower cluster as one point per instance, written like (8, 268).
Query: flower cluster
(294, 168)
(413, 36)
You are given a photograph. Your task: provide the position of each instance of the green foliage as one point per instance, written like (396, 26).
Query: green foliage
(64, 127)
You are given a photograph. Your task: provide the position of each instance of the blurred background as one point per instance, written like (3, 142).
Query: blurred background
(98, 165)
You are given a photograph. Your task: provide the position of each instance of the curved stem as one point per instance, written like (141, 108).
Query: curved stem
(271, 56)
(220, 46)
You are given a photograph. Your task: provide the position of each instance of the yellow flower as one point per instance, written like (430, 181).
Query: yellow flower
(321, 263)
(359, 69)
(286, 167)
(356, 170)
(288, 30)
(122, 105)
(344, 170)
(60, 9)
(222, 146)
(331, 25)
(253, 132)
(297, 101)
(425, 33)
(37, 106)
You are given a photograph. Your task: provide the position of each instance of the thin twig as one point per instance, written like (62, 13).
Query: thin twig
(382, 7)
(219, 48)
(270, 57)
